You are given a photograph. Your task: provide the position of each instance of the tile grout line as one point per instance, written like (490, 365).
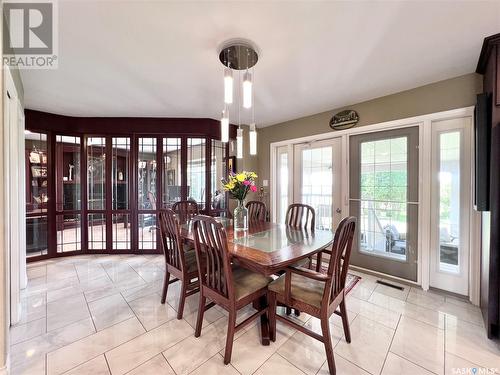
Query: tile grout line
(278, 354)
(390, 345)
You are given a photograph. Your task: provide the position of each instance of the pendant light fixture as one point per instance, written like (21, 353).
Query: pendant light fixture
(239, 55)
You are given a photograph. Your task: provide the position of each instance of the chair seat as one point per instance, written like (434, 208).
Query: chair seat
(303, 289)
(247, 282)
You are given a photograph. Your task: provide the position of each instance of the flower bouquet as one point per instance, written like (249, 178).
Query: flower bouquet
(238, 185)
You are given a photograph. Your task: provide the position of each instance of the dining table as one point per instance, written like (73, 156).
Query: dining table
(268, 248)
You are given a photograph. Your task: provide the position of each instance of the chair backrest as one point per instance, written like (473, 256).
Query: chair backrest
(212, 255)
(171, 240)
(339, 260)
(256, 210)
(300, 215)
(185, 210)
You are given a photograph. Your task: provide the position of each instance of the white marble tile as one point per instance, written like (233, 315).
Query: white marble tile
(215, 365)
(126, 357)
(96, 366)
(469, 341)
(65, 311)
(98, 293)
(369, 345)
(410, 310)
(31, 366)
(420, 343)
(109, 310)
(250, 342)
(40, 345)
(374, 312)
(363, 289)
(81, 351)
(155, 366)
(35, 272)
(60, 272)
(395, 365)
(278, 365)
(142, 291)
(151, 312)
(23, 332)
(90, 270)
(456, 365)
(344, 367)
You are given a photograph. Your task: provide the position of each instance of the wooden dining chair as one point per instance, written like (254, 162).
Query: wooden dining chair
(316, 293)
(178, 262)
(225, 284)
(185, 210)
(299, 215)
(257, 210)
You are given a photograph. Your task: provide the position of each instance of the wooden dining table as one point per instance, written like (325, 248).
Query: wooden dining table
(268, 248)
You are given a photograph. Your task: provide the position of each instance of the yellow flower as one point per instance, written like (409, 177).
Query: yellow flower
(240, 177)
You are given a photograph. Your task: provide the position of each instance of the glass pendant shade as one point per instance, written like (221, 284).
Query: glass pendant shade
(247, 90)
(228, 86)
(224, 127)
(239, 143)
(253, 140)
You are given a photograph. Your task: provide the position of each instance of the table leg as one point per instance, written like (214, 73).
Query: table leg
(264, 322)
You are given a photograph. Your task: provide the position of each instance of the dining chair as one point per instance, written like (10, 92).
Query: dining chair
(299, 215)
(178, 262)
(316, 293)
(256, 210)
(224, 283)
(185, 210)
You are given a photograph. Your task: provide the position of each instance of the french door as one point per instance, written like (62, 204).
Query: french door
(450, 205)
(383, 195)
(317, 182)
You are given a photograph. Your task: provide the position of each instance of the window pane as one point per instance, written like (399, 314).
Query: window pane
(36, 235)
(68, 233)
(383, 217)
(36, 173)
(147, 231)
(171, 171)
(68, 173)
(196, 170)
(120, 173)
(317, 180)
(449, 201)
(97, 231)
(96, 173)
(147, 174)
(121, 231)
(218, 170)
(283, 186)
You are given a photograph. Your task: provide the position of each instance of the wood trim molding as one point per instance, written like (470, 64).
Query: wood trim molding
(488, 44)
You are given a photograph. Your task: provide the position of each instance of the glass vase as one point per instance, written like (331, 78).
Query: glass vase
(240, 216)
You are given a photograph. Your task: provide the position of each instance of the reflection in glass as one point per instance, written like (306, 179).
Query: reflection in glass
(171, 171)
(196, 170)
(96, 173)
(68, 233)
(147, 174)
(384, 189)
(97, 231)
(36, 172)
(147, 231)
(120, 172)
(218, 170)
(36, 235)
(68, 173)
(449, 201)
(121, 231)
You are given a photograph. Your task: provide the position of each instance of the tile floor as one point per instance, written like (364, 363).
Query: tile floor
(102, 314)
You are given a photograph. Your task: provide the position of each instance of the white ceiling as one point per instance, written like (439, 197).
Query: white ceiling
(160, 58)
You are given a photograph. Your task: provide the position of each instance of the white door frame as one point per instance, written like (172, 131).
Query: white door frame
(425, 123)
(14, 170)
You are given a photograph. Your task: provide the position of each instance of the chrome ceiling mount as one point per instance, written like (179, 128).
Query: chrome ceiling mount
(238, 55)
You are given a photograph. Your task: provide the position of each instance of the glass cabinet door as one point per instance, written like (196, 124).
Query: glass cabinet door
(68, 193)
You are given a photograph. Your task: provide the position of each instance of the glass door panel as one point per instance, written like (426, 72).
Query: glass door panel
(196, 171)
(37, 179)
(68, 193)
(120, 187)
(146, 192)
(283, 185)
(96, 173)
(384, 198)
(450, 207)
(318, 184)
(218, 171)
(172, 171)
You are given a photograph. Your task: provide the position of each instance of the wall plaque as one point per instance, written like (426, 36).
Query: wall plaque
(344, 120)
